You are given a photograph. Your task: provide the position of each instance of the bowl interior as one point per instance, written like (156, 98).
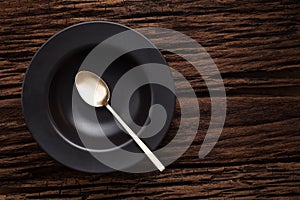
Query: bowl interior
(60, 98)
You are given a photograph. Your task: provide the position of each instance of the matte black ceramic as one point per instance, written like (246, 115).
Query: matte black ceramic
(47, 94)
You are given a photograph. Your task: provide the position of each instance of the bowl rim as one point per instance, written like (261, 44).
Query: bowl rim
(29, 125)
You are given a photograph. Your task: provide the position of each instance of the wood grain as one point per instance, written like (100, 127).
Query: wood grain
(256, 46)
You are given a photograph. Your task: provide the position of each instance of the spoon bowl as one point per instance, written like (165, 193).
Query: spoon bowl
(92, 89)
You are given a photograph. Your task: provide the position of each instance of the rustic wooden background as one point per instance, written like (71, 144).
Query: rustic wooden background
(256, 46)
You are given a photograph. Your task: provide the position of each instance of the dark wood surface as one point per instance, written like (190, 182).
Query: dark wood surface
(256, 46)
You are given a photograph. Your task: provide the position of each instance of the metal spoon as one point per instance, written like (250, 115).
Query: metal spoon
(94, 91)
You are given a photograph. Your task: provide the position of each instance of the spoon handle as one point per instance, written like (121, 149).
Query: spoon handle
(139, 142)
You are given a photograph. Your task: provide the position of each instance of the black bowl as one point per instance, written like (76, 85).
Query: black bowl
(47, 96)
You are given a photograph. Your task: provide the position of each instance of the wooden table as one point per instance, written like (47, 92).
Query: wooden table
(256, 46)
